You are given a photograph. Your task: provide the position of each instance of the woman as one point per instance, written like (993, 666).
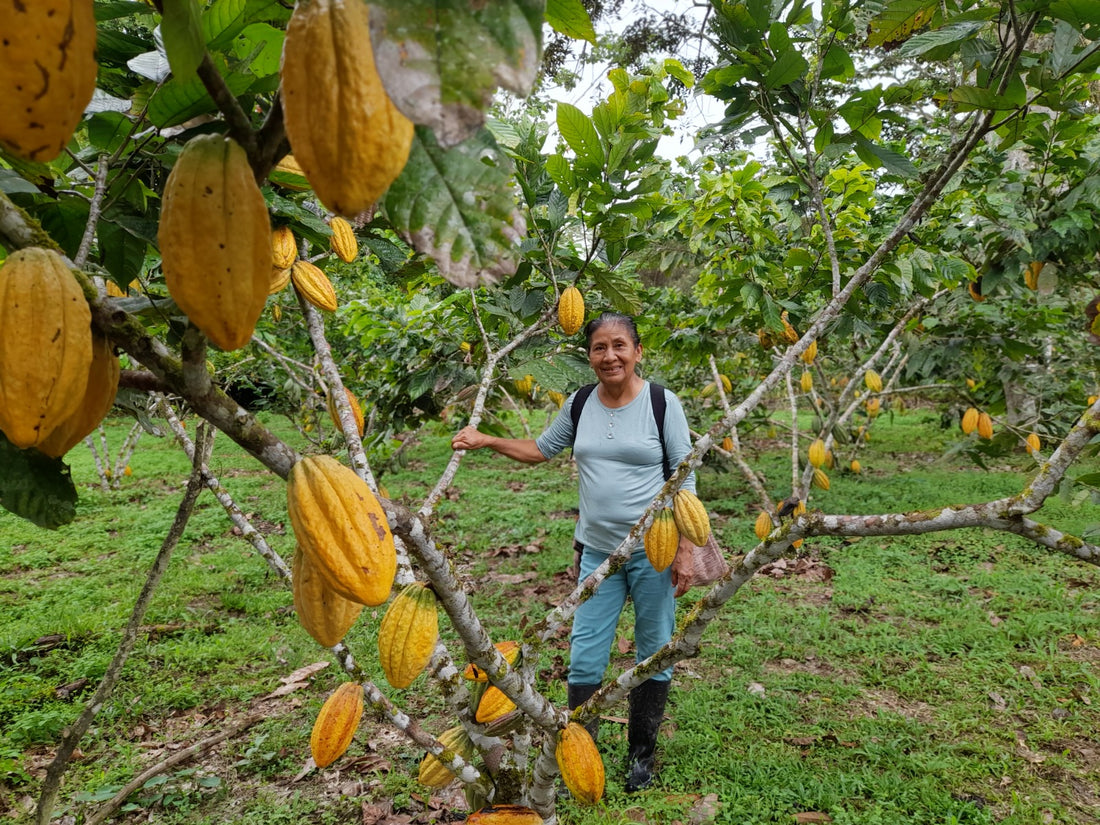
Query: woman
(618, 452)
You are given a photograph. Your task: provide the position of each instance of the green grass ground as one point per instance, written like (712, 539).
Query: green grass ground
(928, 680)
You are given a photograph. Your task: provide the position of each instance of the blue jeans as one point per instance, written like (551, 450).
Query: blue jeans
(595, 621)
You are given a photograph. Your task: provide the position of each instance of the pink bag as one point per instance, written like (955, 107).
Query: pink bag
(710, 563)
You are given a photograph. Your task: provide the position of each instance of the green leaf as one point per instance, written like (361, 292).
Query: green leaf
(899, 21)
(261, 46)
(181, 28)
(457, 206)
(893, 162)
(121, 253)
(35, 486)
(561, 173)
(222, 22)
(580, 133)
(837, 63)
(121, 8)
(621, 293)
(974, 97)
(788, 68)
(179, 100)
(1091, 479)
(12, 183)
(1078, 13)
(109, 130)
(556, 372)
(569, 17)
(952, 34)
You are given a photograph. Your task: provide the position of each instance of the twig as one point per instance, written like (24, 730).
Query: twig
(95, 210)
(240, 127)
(73, 734)
(177, 758)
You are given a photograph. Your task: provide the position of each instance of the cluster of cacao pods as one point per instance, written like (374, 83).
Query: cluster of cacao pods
(973, 419)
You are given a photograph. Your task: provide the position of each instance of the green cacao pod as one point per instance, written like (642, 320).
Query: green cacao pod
(505, 815)
(326, 615)
(47, 72)
(336, 724)
(662, 540)
(45, 345)
(407, 635)
(215, 240)
(341, 527)
(347, 136)
(343, 241)
(99, 397)
(691, 517)
(571, 310)
(433, 773)
(314, 285)
(580, 764)
(284, 248)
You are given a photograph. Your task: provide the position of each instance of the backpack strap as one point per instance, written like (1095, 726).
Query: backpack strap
(656, 402)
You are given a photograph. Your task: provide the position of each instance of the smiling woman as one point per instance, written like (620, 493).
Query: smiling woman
(618, 447)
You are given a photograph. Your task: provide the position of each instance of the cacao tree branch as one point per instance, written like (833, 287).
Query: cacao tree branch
(271, 143)
(240, 127)
(95, 210)
(141, 380)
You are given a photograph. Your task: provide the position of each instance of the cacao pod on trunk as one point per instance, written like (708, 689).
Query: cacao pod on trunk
(970, 420)
(505, 815)
(284, 248)
(763, 525)
(356, 411)
(494, 704)
(314, 285)
(985, 425)
(343, 240)
(433, 773)
(508, 649)
(816, 453)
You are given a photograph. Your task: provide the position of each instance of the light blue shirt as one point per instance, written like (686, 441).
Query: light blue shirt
(618, 455)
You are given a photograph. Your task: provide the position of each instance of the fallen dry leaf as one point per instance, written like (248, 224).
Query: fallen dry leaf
(303, 673)
(809, 817)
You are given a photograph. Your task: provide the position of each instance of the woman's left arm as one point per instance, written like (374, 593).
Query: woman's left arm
(683, 566)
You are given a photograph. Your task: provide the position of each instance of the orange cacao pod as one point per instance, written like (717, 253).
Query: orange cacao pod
(970, 421)
(985, 425)
(508, 649)
(662, 540)
(314, 285)
(505, 815)
(47, 72)
(215, 240)
(326, 615)
(691, 517)
(356, 411)
(580, 764)
(284, 248)
(856, 468)
(347, 136)
(1033, 443)
(45, 345)
(571, 310)
(1031, 274)
(98, 399)
(494, 704)
(407, 635)
(341, 527)
(343, 240)
(336, 724)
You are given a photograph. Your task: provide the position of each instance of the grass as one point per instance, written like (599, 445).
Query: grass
(921, 680)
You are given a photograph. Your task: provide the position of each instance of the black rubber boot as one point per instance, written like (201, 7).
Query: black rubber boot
(647, 708)
(578, 695)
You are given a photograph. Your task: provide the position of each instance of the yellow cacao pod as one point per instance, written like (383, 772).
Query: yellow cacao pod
(727, 444)
(691, 517)
(114, 290)
(985, 425)
(874, 405)
(571, 310)
(505, 815)
(810, 353)
(1091, 400)
(284, 248)
(765, 339)
(709, 390)
(314, 285)
(343, 240)
(433, 773)
(347, 136)
(1033, 443)
(580, 764)
(98, 399)
(45, 344)
(727, 385)
(789, 333)
(970, 420)
(336, 724)
(799, 510)
(279, 279)
(556, 397)
(873, 381)
(763, 526)
(508, 649)
(1031, 274)
(855, 466)
(47, 72)
(816, 453)
(341, 527)
(407, 635)
(525, 385)
(806, 381)
(289, 175)
(215, 240)
(325, 614)
(820, 479)
(494, 704)
(356, 410)
(662, 540)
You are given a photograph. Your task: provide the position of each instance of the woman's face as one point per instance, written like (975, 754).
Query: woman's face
(613, 354)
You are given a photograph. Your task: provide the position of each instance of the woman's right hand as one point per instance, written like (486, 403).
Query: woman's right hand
(468, 438)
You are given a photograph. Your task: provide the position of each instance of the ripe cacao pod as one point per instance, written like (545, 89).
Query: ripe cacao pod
(505, 815)
(1033, 443)
(820, 479)
(45, 345)
(114, 290)
(765, 339)
(341, 527)
(407, 635)
(433, 773)
(494, 704)
(727, 385)
(691, 517)
(855, 466)
(662, 540)
(816, 453)
(314, 285)
(571, 310)
(48, 74)
(874, 405)
(525, 385)
(346, 135)
(343, 240)
(98, 399)
(763, 526)
(806, 381)
(356, 410)
(508, 649)
(810, 353)
(215, 240)
(727, 444)
(325, 614)
(284, 248)
(1031, 274)
(1091, 400)
(279, 279)
(336, 724)
(789, 333)
(970, 420)
(289, 175)
(873, 381)
(985, 425)
(556, 397)
(580, 763)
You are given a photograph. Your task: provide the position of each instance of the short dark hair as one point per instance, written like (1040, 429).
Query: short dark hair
(606, 318)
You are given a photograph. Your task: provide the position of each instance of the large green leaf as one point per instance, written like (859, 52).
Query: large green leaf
(899, 21)
(222, 22)
(622, 294)
(121, 252)
(181, 28)
(788, 68)
(181, 99)
(457, 205)
(1078, 13)
(874, 155)
(36, 487)
(571, 19)
(442, 60)
(580, 133)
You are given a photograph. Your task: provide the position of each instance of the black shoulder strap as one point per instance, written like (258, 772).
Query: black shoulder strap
(656, 402)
